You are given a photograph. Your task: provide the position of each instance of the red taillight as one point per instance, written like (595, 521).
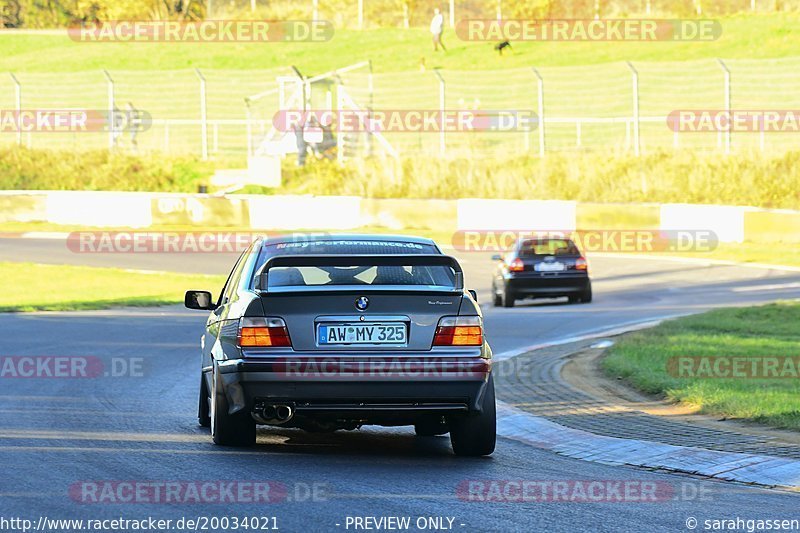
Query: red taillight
(459, 331)
(516, 265)
(581, 264)
(263, 332)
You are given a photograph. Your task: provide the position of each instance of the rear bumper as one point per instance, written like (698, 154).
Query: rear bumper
(532, 284)
(364, 387)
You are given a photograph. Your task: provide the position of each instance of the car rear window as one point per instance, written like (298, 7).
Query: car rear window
(548, 247)
(304, 276)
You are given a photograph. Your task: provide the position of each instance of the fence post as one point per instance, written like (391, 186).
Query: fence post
(452, 13)
(727, 88)
(636, 125)
(340, 137)
(249, 127)
(442, 140)
(203, 114)
(18, 105)
(540, 85)
(112, 111)
(371, 89)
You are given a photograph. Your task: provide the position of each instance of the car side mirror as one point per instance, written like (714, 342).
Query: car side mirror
(199, 300)
(473, 294)
(497, 257)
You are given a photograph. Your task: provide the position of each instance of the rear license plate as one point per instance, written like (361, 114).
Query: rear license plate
(362, 333)
(549, 267)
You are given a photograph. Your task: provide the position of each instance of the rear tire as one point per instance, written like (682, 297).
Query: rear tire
(475, 435)
(431, 427)
(507, 298)
(586, 295)
(497, 300)
(203, 416)
(238, 429)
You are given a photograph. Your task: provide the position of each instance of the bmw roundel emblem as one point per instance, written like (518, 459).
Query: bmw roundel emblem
(362, 302)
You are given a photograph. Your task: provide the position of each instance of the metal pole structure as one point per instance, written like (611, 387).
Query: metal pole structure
(727, 88)
(18, 104)
(405, 15)
(315, 10)
(252, 5)
(249, 127)
(499, 9)
(636, 125)
(540, 84)
(452, 13)
(112, 111)
(442, 139)
(306, 88)
(371, 89)
(340, 137)
(360, 14)
(203, 114)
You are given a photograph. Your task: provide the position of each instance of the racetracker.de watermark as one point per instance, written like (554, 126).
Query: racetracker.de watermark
(166, 242)
(173, 492)
(72, 121)
(579, 491)
(592, 240)
(734, 366)
(737, 120)
(406, 120)
(381, 368)
(589, 30)
(70, 367)
(207, 31)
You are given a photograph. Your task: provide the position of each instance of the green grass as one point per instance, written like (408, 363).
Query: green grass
(746, 179)
(662, 177)
(772, 330)
(392, 50)
(786, 254)
(36, 287)
(99, 170)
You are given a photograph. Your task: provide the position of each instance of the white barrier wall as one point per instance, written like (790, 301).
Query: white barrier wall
(300, 212)
(726, 221)
(95, 208)
(529, 215)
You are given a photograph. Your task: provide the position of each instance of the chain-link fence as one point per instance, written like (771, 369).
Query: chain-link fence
(613, 107)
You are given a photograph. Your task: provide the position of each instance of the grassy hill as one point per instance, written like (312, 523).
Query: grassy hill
(391, 50)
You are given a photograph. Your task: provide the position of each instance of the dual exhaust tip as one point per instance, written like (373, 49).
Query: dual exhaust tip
(275, 413)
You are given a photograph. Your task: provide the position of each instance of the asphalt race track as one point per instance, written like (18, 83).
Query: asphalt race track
(58, 436)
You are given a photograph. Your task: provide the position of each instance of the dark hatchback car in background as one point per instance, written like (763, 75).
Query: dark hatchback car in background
(541, 268)
(334, 332)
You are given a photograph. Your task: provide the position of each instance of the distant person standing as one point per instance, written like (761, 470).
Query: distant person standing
(134, 124)
(302, 146)
(437, 26)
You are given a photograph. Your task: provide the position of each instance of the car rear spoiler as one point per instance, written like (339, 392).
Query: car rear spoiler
(297, 260)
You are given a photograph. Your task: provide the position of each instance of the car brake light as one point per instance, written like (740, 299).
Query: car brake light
(459, 331)
(263, 332)
(581, 264)
(516, 265)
